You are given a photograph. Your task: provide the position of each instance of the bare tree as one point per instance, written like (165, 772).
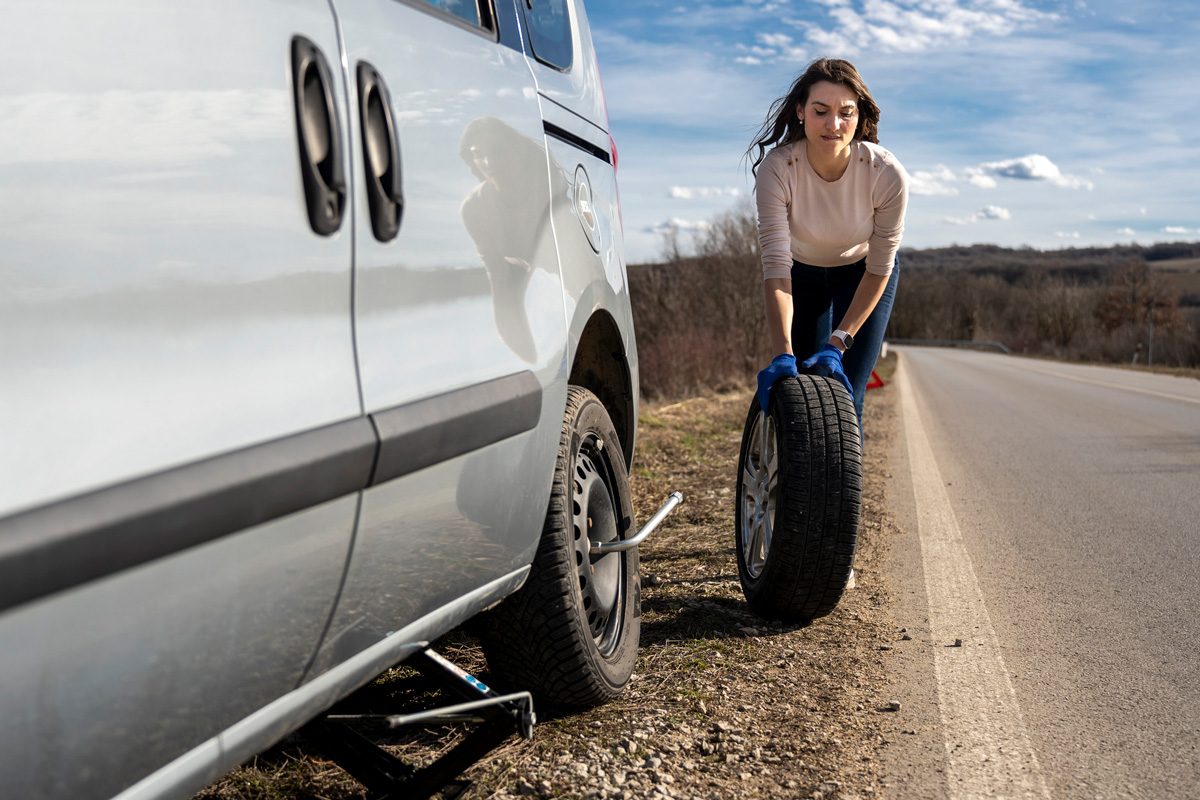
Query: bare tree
(1136, 295)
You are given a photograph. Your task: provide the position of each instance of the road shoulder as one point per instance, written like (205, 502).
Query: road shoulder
(914, 760)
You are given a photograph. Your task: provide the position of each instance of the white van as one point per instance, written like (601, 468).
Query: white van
(314, 325)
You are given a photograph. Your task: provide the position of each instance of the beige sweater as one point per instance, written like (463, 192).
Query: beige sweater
(803, 217)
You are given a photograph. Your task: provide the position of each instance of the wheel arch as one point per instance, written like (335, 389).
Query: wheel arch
(602, 365)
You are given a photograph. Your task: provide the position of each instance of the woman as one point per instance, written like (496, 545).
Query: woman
(831, 206)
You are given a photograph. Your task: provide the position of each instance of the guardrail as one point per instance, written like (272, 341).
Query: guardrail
(999, 347)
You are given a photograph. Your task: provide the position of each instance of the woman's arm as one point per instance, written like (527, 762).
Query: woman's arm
(870, 289)
(891, 203)
(777, 294)
(772, 195)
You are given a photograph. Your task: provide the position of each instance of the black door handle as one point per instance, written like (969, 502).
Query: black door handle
(381, 153)
(319, 136)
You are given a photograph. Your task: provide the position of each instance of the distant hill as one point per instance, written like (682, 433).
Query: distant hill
(995, 257)
(1085, 264)
(1177, 262)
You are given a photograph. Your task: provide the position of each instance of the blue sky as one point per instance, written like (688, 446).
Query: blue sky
(1047, 124)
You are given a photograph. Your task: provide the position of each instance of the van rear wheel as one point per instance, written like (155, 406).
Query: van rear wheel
(571, 634)
(799, 491)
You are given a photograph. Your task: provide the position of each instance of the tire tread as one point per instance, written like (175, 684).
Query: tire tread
(818, 501)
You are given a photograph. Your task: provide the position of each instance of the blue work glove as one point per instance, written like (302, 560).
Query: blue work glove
(782, 366)
(828, 362)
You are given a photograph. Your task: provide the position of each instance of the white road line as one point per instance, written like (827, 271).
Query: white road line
(987, 747)
(1151, 392)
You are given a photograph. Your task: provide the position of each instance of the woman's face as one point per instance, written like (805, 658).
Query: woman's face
(830, 117)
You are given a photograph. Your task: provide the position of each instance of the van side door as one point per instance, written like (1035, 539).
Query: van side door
(459, 315)
(181, 439)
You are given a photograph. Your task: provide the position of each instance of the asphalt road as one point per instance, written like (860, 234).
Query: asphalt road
(1052, 519)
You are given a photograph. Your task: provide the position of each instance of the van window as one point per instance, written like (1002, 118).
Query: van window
(549, 25)
(475, 12)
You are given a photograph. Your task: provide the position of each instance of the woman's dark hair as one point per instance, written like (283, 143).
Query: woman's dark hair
(782, 126)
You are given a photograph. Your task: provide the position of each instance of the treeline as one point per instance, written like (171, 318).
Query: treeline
(1010, 262)
(699, 317)
(1087, 304)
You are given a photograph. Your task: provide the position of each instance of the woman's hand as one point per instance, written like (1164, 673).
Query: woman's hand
(782, 366)
(828, 362)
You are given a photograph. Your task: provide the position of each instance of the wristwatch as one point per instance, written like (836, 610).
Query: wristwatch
(845, 336)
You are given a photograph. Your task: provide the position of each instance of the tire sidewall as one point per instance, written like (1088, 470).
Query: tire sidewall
(752, 585)
(749, 584)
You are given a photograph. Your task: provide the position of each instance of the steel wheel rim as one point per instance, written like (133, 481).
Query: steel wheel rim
(594, 517)
(760, 482)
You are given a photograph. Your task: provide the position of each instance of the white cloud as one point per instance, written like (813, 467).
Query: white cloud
(703, 192)
(913, 26)
(1179, 230)
(677, 225)
(980, 180)
(1032, 167)
(756, 50)
(775, 39)
(1126, 232)
(1067, 234)
(985, 213)
(932, 182)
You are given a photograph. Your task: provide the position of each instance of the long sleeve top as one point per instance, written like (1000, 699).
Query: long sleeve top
(803, 217)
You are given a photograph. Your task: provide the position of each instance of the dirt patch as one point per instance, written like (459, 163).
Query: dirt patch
(722, 703)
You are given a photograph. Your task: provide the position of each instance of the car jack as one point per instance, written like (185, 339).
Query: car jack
(341, 738)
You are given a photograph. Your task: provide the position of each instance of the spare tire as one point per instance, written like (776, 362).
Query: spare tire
(799, 493)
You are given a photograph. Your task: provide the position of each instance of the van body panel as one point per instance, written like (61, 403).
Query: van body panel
(185, 776)
(577, 88)
(159, 275)
(594, 278)
(468, 292)
(123, 674)
(158, 260)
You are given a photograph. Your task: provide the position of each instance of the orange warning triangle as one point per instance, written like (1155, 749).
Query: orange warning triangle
(876, 382)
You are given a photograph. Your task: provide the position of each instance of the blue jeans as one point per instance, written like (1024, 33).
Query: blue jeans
(820, 297)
